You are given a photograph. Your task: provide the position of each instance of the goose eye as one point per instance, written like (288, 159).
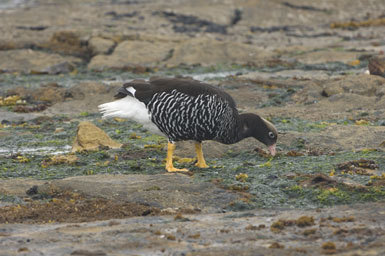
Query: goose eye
(271, 135)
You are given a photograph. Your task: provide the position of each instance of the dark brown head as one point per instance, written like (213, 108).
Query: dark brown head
(261, 129)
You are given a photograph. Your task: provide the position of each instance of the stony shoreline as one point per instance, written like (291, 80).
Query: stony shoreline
(304, 66)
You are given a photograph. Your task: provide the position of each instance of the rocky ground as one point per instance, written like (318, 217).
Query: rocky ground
(316, 70)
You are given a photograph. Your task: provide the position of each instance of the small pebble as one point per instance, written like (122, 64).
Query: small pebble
(59, 129)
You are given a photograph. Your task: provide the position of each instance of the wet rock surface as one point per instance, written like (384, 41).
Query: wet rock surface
(166, 192)
(313, 69)
(357, 231)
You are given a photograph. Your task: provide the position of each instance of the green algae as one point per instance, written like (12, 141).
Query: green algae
(272, 186)
(271, 183)
(284, 124)
(11, 199)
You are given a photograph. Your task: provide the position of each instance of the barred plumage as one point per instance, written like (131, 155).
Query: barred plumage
(183, 117)
(185, 109)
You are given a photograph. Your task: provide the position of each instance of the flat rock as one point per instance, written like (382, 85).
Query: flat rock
(8, 187)
(246, 233)
(324, 56)
(356, 84)
(16, 117)
(337, 138)
(88, 104)
(350, 137)
(293, 73)
(208, 52)
(132, 53)
(87, 89)
(174, 191)
(332, 99)
(30, 61)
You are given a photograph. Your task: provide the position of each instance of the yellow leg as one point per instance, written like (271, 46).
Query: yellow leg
(201, 160)
(169, 166)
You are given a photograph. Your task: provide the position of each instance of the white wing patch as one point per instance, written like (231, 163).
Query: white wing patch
(131, 90)
(129, 108)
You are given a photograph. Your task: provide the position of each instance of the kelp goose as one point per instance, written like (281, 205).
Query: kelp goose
(186, 109)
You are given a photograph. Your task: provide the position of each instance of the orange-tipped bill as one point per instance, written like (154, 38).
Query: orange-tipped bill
(272, 150)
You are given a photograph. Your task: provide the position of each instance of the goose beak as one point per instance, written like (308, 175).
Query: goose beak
(272, 150)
